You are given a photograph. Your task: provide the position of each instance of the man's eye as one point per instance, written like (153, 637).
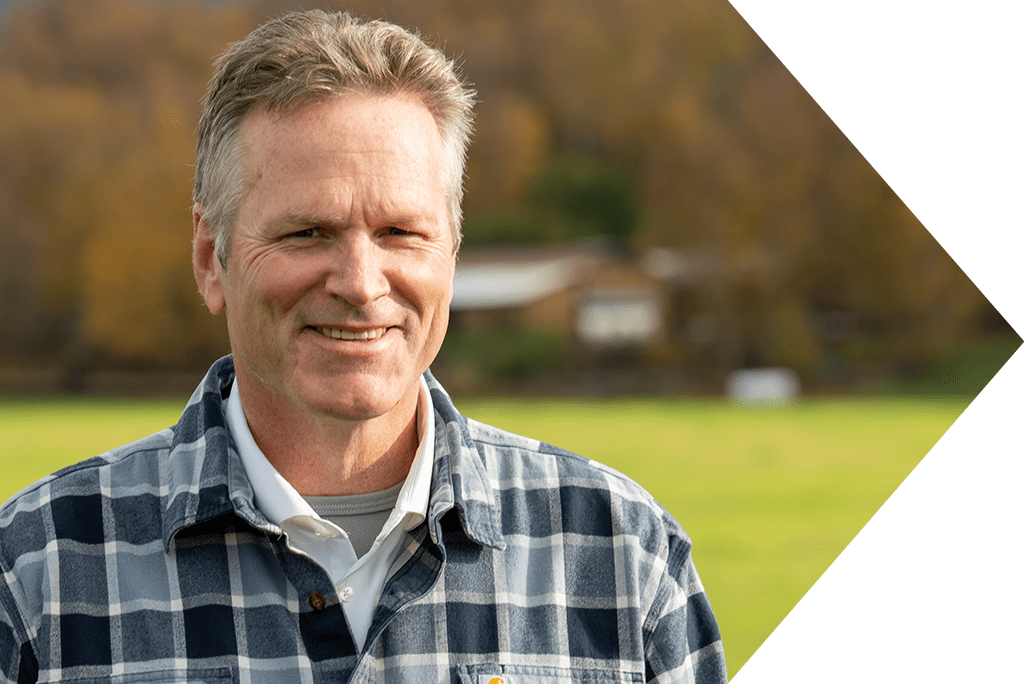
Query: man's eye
(306, 233)
(393, 230)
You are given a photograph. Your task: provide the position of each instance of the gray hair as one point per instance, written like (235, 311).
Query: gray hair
(308, 56)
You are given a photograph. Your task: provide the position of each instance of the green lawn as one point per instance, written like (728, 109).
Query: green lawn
(770, 496)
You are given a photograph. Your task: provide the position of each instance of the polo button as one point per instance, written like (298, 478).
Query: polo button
(346, 594)
(316, 601)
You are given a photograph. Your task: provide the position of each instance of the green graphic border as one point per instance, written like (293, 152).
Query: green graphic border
(931, 94)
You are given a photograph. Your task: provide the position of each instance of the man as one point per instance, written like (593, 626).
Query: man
(321, 512)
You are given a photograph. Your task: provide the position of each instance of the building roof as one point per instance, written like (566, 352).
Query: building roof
(512, 276)
(506, 286)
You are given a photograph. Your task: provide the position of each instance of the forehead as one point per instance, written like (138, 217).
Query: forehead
(350, 123)
(387, 143)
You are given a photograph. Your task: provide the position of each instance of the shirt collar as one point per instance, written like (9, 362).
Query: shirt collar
(279, 501)
(461, 478)
(206, 478)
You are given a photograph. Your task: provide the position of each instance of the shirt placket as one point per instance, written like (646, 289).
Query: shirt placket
(416, 578)
(323, 627)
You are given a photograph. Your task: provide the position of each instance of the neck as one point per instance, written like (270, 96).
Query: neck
(322, 455)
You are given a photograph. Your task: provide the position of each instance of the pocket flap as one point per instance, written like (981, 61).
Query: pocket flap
(220, 675)
(494, 673)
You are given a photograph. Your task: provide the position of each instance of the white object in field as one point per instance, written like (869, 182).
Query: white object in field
(763, 386)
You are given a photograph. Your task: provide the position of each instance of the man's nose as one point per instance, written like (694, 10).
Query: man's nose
(357, 270)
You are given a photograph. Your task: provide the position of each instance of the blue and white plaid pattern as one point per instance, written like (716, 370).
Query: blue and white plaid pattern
(150, 564)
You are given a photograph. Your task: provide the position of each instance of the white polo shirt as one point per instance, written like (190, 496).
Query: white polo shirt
(359, 581)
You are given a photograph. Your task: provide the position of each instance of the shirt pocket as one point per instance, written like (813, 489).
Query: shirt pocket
(220, 675)
(494, 673)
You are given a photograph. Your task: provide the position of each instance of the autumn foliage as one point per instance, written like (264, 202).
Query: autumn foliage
(681, 124)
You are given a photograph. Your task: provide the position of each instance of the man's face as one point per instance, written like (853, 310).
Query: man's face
(340, 271)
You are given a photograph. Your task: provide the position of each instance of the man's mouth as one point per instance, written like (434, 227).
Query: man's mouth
(342, 334)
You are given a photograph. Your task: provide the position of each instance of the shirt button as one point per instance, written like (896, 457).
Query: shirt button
(316, 601)
(346, 593)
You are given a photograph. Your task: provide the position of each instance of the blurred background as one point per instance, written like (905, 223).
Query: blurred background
(653, 204)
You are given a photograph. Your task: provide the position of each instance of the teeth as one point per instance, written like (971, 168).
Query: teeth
(340, 334)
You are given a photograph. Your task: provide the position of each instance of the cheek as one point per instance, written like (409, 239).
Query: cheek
(278, 284)
(439, 325)
(438, 297)
(427, 289)
(425, 281)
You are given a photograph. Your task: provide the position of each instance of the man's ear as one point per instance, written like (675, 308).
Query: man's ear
(205, 264)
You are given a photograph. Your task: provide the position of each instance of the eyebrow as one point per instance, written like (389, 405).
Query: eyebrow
(295, 219)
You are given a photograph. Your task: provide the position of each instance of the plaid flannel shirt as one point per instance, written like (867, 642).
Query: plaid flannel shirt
(151, 564)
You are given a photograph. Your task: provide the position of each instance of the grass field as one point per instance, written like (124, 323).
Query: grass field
(770, 496)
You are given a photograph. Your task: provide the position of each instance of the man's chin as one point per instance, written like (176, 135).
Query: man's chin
(356, 399)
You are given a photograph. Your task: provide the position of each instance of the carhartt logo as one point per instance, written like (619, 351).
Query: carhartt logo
(489, 678)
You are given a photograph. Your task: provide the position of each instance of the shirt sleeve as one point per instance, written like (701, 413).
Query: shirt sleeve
(683, 643)
(17, 662)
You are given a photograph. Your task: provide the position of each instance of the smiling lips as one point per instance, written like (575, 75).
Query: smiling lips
(341, 334)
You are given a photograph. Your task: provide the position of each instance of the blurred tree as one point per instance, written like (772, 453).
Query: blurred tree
(100, 100)
(569, 199)
(664, 123)
(588, 194)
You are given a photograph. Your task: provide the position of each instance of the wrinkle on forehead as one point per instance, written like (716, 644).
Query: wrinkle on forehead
(384, 143)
